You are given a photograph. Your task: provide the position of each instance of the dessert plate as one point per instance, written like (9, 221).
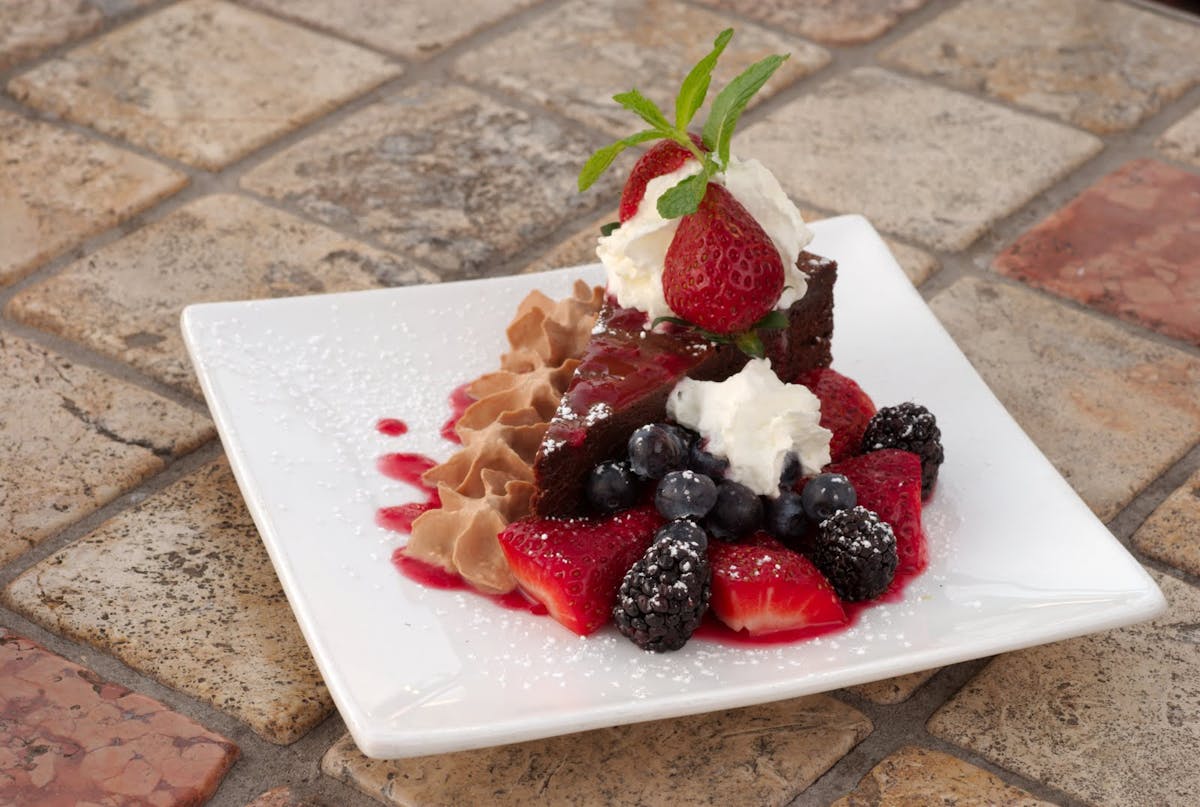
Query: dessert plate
(297, 385)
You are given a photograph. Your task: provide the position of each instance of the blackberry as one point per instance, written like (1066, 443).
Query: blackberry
(856, 551)
(665, 594)
(909, 427)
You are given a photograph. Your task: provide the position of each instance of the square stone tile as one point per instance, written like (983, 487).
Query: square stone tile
(759, 755)
(31, 27)
(1129, 245)
(68, 736)
(205, 82)
(575, 60)
(415, 29)
(917, 776)
(1182, 141)
(1111, 719)
(578, 249)
(1104, 66)
(891, 691)
(57, 188)
(917, 264)
(125, 299)
(439, 172)
(1172, 532)
(181, 588)
(73, 439)
(928, 164)
(1112, 411)
(835, 22)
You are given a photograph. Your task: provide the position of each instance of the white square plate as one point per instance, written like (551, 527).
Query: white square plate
(297, 385)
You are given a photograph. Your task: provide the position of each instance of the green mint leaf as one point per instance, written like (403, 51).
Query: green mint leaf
(599, 162)
(646, 109)
(684, 199)
(673, 320)
(750, 344)
(772, 321)
(695, 87)
(608, 229)
(731, 102)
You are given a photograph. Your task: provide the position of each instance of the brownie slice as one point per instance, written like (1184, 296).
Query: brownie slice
(626, 374)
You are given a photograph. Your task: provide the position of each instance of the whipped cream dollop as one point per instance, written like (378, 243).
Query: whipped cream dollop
(754, 420)
(633, 255)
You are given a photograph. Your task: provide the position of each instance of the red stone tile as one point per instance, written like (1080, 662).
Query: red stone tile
(68, 738)
(1129, 245)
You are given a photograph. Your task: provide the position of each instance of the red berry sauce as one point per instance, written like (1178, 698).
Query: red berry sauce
(459, 401)
(391, 427)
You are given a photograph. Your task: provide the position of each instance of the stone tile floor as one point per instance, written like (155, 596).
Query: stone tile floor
(1035, 167)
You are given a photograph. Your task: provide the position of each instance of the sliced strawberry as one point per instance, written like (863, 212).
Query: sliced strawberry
(663, 157)
(888, 481)
(722, 272)
(761, 586)
(574, 567)
(845, 409)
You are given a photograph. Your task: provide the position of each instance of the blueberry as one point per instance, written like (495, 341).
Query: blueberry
(825, 494)
(738, 509)
(686, 436)
(654, 450)
(791, 471)
(702, 462)
(685, 494)
(683, 529)
(785, 517)
(612, 486)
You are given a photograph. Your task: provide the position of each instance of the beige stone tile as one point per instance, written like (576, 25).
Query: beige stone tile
(1172, 532)
(203, 81)
(125, 300)
(31, 27)
(759, 755)
(912, 777)
(574, 60)
(925, 163)
(416, 29)
(181, 588)
(73, 439)
(1101, 65)
(1111, 719)
(491, 180)
(835, 22)
(1182, 141)
(1110, 410)
(57, 188)
(891, 691)
(917, 264)
(578, 249)
(280, 797)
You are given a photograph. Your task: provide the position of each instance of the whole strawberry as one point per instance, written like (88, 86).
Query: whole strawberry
(722, 272)
(663, 157)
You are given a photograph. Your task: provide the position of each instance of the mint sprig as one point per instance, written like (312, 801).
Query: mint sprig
(727, 108)
(748, 341)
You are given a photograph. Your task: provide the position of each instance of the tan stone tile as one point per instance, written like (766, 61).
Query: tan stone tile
(835, 22)
(125, 299)
(917, 264)
(70, 737)
(57, 188)
(759, 755)
(1111, 719)
(280, 797)
(73, 439)
(493, 178)
(415, 29)
(574, 60)
(181, 588)
(1172, 532)
(912, 777)
(203, 81)
(928, 164)
(577, 250)
(1182, 141)
(1104, 66)
(31, 27)
(1111, 411)
(891, 691)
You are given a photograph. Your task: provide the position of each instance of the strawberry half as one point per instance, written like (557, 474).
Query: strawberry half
(574, 567)
(761, 586)
(888, 481)
(722, 272)
(662, 158)
(845, 409)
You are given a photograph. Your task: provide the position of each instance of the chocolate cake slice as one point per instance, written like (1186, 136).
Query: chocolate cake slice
(626, 374)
